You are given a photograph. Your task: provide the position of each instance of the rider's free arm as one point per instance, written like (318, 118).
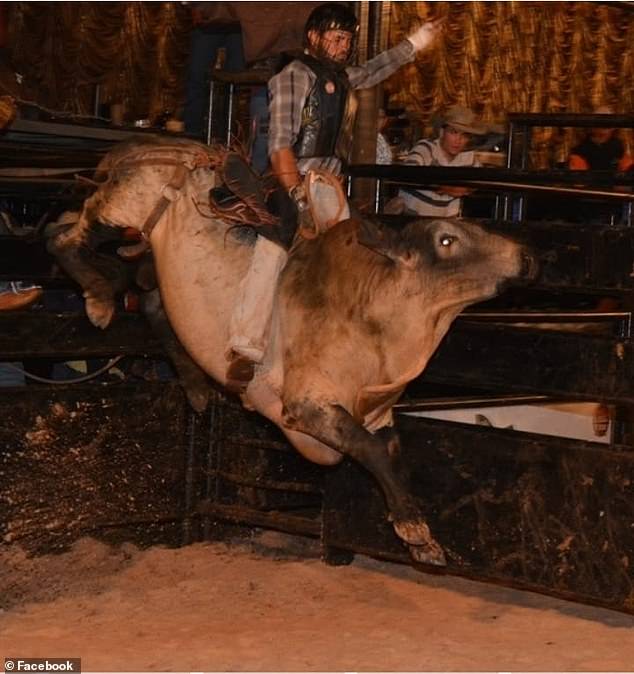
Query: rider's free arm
(285, 168)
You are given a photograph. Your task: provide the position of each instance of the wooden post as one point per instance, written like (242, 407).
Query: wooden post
(372, 39)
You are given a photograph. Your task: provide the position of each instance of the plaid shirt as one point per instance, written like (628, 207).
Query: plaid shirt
(289, 89)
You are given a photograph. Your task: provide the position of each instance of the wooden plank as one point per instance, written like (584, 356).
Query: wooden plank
(36, 333)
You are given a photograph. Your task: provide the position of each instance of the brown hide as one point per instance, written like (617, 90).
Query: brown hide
(361, 322)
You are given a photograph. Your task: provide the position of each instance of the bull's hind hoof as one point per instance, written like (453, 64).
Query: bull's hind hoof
(428, 554)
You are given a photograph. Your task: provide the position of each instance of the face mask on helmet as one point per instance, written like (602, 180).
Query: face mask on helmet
(331, 33)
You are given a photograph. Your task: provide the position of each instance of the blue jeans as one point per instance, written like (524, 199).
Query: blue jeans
(204, 46)
(259, 111)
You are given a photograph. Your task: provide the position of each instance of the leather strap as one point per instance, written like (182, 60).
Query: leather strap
(176, 183)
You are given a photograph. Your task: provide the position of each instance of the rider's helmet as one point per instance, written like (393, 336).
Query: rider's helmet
(337, 17)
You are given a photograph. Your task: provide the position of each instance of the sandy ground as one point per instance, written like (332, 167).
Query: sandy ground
(271, 605)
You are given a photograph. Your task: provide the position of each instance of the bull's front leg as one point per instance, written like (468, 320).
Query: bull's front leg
(335, 427)
(73, 246)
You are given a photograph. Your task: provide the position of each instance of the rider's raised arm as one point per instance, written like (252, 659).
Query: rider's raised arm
(388, 62)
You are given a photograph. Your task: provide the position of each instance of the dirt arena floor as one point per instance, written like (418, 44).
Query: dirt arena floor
(271, 605)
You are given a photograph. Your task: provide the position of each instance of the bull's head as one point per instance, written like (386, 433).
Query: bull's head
(471, 262)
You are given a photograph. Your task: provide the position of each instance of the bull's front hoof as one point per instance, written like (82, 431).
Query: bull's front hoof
(413, 532)
(100, 312)
(428, 554)
(422, 545)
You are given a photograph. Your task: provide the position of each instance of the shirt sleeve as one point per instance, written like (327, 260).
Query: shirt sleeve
(288, 91)
(419, 155)
(381, 67)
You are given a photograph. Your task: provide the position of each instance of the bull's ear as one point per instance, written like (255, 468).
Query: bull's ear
(384, 241)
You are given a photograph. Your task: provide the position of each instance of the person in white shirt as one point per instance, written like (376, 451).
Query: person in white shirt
(384, 154)
(457, 127)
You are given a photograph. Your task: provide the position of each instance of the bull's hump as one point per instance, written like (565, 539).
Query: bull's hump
(333, 270)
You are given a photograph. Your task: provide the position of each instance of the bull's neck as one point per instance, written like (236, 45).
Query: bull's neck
(413, 316)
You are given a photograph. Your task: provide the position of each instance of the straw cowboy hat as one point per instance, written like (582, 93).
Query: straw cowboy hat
(462, 119)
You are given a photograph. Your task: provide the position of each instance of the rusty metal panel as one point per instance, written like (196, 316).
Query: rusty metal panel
(546, 514)
(253, 465)
(514, 360)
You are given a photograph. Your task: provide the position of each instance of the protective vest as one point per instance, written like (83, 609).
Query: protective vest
(328, 115)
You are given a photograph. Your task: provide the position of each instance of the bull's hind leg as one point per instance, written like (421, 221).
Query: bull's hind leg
(73, 244)
(193, 380)
(333, 426)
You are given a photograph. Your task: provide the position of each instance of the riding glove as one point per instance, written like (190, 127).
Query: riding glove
(425, 35)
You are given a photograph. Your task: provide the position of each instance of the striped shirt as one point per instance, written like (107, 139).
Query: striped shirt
(289, 89)
(427, 202)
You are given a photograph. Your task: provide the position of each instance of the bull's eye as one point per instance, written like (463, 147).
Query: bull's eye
(446, 240)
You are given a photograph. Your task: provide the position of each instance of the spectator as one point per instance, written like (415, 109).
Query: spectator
(216, 31)
(457, 126)
(383, 149)
(601, 150)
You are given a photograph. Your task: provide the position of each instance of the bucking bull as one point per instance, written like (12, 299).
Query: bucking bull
(359, 311)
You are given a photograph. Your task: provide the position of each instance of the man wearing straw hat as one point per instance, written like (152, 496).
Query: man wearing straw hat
(457, 126)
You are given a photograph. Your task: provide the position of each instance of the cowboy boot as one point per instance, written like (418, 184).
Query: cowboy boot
(240, 372)
(240, 178)
(19, 297)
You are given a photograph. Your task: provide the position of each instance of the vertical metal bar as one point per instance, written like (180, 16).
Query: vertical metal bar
(625, 326)
(519, 214)
(210, 113)
(212, 459)
(377, 195)
(628, 214)
(97, 101)
(524, 162)
(188, 504)
(509, 164)
(230, 113)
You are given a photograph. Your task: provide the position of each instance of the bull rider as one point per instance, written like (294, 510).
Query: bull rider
(312, 113)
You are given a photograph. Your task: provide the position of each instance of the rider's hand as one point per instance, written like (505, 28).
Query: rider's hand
(305, 220)
(425, 35)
